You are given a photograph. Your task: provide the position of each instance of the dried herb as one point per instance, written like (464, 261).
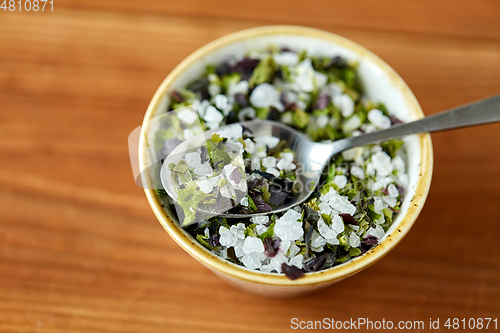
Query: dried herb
(292, 272)
(348, 219)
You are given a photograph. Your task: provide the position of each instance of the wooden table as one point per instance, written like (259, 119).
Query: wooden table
(80, 250)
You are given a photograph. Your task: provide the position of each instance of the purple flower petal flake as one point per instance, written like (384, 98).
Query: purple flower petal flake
(368, 242)
(271, 246)
(292, 272)
(322, 102)
(395, 120)
(348, 219)
(178, 98)
(235, 176)
(245, 67)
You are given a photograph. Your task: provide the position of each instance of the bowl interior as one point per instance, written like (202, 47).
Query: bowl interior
(379, 83)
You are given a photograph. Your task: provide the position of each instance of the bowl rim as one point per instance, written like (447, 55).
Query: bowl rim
(331, 275)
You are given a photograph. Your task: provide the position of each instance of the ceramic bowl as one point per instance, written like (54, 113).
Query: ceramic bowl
(379, 83)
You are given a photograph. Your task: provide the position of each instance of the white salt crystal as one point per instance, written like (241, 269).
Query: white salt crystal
(368, 128)
(351, 154)
(275, 172)
(342, 204)
(382, 163)
(222, 103)
(203, 170)
(380, 232)
(266, 268)
(227, 238)
(284, 246)
(377, 232)
(187, 116)
(281, 164)
(187, 133)
(251, 261)
(238, 230)
(325, 208)
(390, 200)
(346, 106)
(403, 180)
(303, 76)
(370, 170)
(293, 250)
(238, 248)
(233, 132)
(228, 169)
(393, 191)
(297, 261)
(249, 146)
(286, 58)
(213, 89)
(277, 261)
(377, 118)
(267, 140)
(241, 186)
(322, 121)
(227, 191)
(378, 205)
(286, 229)
(253, 244)
(317, 242)
(269, 162)
(255, 163)
(246, 113)
(356, 133)
(260, 219)
(354, 240)
(340, 181)
(193, 159)
(398, 164)
(337, 224)
(212, 125)
(260, 229)
(320, 79)
(358, 172)
(332, 89)
(206, 186)
(244, 202)
(292, 215)
(359, 160)
(352, 123)
(212, 115)
(326, 231)
(202, 107)
(265, 95)
(260, 152)
(290, 167)
(212, 78)
(238, 88)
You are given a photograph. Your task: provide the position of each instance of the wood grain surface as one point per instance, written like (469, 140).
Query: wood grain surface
(80, 250)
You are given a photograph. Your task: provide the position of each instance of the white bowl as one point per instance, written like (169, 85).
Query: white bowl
(379, 83)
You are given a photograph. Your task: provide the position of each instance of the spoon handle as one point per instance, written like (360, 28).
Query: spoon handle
(480, 112)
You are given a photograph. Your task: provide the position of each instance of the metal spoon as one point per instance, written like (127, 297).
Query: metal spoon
(312, 157)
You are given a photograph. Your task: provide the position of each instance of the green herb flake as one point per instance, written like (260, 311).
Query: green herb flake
(300, 118)
(391, 147)
(251, 204)
(354, 252)
(264, 72)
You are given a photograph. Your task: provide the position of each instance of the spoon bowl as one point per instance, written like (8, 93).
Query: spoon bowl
(312, 157)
